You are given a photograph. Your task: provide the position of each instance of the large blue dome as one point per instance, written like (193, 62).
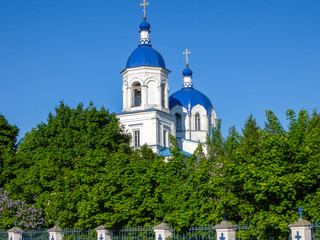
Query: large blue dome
(188, 98)
(145, 55)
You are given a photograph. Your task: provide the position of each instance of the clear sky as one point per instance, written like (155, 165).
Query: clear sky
(247, 55)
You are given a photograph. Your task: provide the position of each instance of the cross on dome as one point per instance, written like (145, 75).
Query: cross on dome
(144, 4)
(187, 53)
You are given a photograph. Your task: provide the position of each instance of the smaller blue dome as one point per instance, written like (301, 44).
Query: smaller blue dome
(145, 55)
(187, 72)
(144, 25)
(188, 98)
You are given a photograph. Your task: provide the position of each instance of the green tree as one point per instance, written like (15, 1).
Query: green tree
(186, 190)
(8, 147)
(264, 175)
(59, 162)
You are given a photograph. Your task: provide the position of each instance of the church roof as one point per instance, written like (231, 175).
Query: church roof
(166, 152)
(188, 98)
(145, 55)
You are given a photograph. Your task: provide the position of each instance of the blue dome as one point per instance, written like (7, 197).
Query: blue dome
(187, 72)
(145, 55)
(188, 98)
(144, 25)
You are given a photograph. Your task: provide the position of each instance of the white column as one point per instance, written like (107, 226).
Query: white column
(104, 233)
(161, 231)
(129, 100)
(190, 124)
(124, 99)
(301, 230)
(159, 106)
(55, 233)
(167, 97)
(225, 231)
(144, 96)
(15, 233)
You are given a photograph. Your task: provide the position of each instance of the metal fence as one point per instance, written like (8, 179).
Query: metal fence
(134, 233)
(79, 234)
(250, 232)
(35, 234)
(201, 232)
(315, 230)
(3, 234)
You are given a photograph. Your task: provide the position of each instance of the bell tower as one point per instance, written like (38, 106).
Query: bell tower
(145, 78)
(145, 113)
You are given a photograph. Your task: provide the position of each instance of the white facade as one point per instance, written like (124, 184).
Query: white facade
(152, 82)
(152, 126)
(192, 129)
(146, 112)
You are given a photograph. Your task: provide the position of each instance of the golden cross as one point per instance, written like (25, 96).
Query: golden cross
(186, 53)
(144, 4)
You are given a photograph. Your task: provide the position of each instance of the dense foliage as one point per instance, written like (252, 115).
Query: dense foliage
(264, 175)
(8, 138)
(16, 210)
(80, 169)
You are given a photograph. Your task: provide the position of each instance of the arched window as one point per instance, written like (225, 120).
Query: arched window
(178, 122)
(163, 95)
(197, 122)
(136, 95)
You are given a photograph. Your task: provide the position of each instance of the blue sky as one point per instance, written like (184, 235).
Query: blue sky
(247, 56)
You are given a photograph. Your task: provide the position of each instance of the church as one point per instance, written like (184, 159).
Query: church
(149, 114)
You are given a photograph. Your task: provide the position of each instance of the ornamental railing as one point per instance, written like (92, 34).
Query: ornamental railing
(315, 230)
(78, 234)
(3, 234)
(134, 233)
(201, 232)
(250, 232)
(35, 234)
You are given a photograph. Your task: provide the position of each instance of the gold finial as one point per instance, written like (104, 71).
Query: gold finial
(144, 4)
(187, 53)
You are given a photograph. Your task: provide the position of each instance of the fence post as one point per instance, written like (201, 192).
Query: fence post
(15, 233)
(55, 233)
(225, 231)
(161, 231)
(301, 230)
(104, 233)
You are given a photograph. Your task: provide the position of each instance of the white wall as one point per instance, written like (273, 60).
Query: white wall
(150, 79)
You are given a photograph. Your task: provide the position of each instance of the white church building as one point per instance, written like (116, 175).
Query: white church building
(149, 114)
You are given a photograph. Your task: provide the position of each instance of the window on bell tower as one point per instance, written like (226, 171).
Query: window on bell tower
(163, 95)
(178, 122)
(197, 121)
(136, 95)
(136, 138)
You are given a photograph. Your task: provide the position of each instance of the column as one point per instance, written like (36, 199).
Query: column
(124, 98)
(129, 100)
(159, 106)
(167, 97)
(144, 97)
